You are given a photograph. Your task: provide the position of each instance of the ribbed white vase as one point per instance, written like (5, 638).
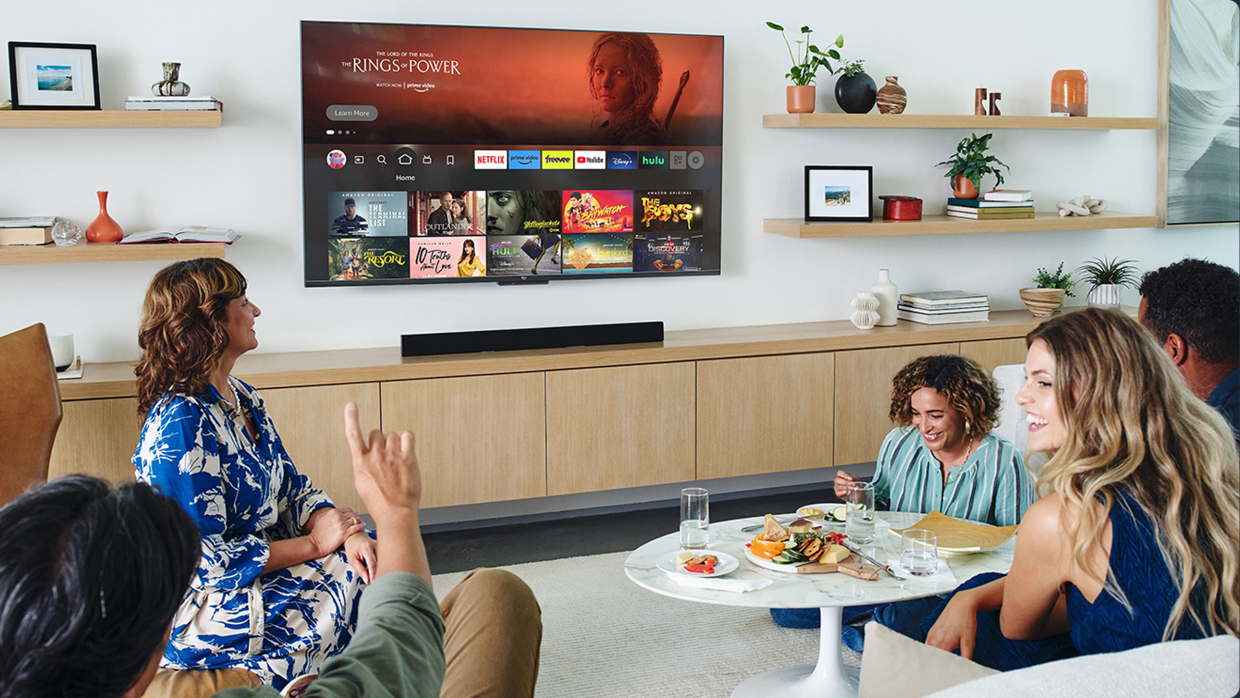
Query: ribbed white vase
(1106, 296)
(885, 292)
(865, 311)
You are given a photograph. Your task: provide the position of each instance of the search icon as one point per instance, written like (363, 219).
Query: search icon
(382, 159)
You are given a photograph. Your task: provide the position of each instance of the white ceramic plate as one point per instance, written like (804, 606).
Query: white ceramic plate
(831, 524)
(727, 563)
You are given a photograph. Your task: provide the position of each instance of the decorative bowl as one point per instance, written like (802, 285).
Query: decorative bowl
(1042, 302)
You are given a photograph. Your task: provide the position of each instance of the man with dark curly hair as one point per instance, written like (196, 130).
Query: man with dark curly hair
(1192, 307)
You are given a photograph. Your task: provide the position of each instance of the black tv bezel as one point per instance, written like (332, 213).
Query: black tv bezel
(509, 280)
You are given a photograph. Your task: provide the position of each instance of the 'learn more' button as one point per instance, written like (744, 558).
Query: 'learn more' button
(352, 112)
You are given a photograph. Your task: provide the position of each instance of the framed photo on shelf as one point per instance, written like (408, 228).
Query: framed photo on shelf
(53, 76)
(836, 193)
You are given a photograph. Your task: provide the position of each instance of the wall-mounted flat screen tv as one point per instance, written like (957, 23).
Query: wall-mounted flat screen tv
(447, 155)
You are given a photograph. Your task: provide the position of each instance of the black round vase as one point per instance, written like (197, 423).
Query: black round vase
(856, 94)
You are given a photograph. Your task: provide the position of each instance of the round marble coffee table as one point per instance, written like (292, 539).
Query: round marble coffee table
(829, 592)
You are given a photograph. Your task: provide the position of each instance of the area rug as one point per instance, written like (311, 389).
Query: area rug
(605, 636)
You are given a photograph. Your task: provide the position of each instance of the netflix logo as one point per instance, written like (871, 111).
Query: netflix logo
(490, 159)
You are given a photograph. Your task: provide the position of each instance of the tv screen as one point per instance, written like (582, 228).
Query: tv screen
(447, 155)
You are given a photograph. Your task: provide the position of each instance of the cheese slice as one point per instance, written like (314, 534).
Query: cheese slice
(836, 553)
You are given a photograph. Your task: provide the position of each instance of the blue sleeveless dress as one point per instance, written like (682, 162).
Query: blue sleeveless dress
(1137, 568)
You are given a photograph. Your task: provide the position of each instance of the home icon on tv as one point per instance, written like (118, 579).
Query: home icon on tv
(405, 159)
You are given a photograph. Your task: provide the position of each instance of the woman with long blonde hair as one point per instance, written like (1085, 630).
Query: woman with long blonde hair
(1137, 538)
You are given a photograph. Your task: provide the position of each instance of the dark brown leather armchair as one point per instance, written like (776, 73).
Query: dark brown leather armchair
(29, 410)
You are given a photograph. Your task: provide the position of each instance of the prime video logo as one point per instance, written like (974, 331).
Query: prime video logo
(621, 160)
(524, 159)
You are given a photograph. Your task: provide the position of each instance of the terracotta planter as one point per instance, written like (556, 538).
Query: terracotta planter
(1042, 302)
(962, 188)
(800, 99)
(103, 228)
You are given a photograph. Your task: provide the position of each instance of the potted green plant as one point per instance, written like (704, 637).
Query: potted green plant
(1048, 291)
(855, 91)
(1107, 279)
(970, 164)
(806, 62)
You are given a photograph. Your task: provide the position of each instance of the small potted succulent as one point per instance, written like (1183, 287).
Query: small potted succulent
(1048, 291)
(1107, 279)
(970, 164)
(806, 62)
(854, 90)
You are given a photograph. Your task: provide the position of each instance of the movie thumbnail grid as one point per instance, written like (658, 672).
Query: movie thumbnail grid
(461, 234)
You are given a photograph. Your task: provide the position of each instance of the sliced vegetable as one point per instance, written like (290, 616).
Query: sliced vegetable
(838, 514)
(700, 567)
(765, 548)
(788, 557)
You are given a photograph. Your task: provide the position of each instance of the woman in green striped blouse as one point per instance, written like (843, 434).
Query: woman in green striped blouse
(942, 456)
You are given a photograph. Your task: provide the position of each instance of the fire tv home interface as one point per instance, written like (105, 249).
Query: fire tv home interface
(436, 154)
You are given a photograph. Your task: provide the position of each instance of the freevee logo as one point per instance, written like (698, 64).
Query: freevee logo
(654, 160)
(524, 159)
(621, 160)
(591, 160)
(557, 159)
(490, 159)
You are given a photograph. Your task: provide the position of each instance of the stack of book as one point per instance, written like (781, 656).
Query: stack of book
(1000, 204)
(943, 307)
(26, 231)
(203, 103)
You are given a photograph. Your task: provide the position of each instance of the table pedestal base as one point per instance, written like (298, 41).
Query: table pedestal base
(829, 679)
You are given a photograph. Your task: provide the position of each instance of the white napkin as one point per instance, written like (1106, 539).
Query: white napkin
(721, 584)
(942, 574)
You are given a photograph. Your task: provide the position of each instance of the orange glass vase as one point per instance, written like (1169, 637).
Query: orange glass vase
(1070, 93)
(103, 228)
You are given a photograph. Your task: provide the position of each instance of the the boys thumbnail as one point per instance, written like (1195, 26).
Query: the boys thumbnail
(598, 253)
(448, 257)
(512, 212)
(523, 255)
(435, 213)
(595, 211)
(366, 214)
(669, 211)
(667, 252)
(356, 259)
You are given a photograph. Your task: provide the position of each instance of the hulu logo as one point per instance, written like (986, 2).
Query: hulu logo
(654, 161)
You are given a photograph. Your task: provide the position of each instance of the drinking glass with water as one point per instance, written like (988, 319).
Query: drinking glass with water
(694, 518)
(859, 519)
(919, 552)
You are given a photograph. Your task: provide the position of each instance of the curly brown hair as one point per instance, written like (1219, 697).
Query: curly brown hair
(966, 385)
(182, 332)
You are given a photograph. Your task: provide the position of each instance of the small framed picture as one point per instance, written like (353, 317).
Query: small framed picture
(53, 76)
(839, 193)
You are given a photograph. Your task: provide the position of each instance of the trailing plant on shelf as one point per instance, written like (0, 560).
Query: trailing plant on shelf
(971, 162)
(808, 58)
(1103, 272)
(1056, 279)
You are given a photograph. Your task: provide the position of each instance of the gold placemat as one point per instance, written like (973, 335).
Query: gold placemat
(954, 534)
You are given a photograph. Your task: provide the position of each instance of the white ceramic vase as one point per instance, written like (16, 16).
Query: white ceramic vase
(865, 311)
(1106, 296)
(885, 292)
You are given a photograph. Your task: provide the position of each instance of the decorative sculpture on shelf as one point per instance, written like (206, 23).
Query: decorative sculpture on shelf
(1081, 206)
(979, 101)
(994, 103)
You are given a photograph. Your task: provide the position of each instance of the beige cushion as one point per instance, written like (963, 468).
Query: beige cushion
(895, 666)
(174, 683)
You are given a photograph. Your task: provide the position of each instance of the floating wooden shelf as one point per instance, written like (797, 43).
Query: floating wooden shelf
(947, 225)
(108, 252)
(55, 118)
(962, 121)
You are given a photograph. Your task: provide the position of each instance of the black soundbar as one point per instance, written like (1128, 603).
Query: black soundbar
(531, 338)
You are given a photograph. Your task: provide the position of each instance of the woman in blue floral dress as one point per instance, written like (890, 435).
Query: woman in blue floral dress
(281, 566)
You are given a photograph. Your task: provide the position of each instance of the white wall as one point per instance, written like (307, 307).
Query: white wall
(246, 175)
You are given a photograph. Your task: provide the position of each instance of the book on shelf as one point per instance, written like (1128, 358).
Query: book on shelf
(927, 319)
(203, 103)
(942, 309)
(943, 297)
(1008, 195)
(985, 212)
(978, 203)
(193, 233)
(974, 215)
(26, 231)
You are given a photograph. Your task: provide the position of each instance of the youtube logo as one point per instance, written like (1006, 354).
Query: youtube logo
(590, 160)
(490, 159)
